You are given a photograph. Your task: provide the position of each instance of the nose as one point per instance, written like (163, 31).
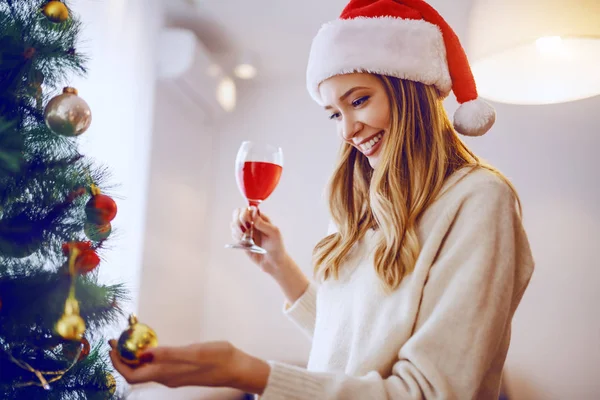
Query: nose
(350, 128)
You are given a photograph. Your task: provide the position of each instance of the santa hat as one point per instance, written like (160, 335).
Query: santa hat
(406, 39)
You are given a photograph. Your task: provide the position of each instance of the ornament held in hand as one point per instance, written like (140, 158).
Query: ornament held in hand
(68, 114)
(56, 11)
(134, 341)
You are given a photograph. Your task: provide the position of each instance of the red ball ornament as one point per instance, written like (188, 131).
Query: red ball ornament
(76, 193)
(71, 348)
(29, 53)
(100, 209)
(81, 246)
(87, 261)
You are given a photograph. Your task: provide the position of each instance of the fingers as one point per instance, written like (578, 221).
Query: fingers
(265, 226)
(237, 228)
(194, 354)
(153, 372)
(125, 370)
(150, 372)
(243, 217)
(261, 215)
(241, 221)
(249, 214)
(175, 355)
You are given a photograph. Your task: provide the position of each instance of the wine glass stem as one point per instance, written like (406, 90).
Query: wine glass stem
(248, 236)
(251, 231)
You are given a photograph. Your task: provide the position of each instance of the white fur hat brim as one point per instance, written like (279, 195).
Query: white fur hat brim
(403, 48)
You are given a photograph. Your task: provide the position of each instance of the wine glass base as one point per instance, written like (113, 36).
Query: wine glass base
(249, 247)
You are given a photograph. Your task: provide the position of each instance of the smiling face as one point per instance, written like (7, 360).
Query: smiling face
(359, 105)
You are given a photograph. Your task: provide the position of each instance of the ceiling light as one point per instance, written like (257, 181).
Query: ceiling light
(245, 71)
(226, 94)
(535, 51)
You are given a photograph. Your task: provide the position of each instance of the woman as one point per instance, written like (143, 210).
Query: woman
(416, 286)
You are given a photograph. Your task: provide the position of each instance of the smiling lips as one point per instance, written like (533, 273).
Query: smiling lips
(368, 147)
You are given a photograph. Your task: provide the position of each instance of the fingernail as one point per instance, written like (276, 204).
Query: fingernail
(242, 228)
(146, 357)
(248, 225)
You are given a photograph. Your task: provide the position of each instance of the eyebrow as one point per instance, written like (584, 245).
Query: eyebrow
(348, 93)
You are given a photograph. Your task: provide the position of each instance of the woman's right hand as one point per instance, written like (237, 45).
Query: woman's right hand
(265, 234)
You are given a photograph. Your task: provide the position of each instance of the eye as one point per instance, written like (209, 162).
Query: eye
(334, 115)
(360, 101)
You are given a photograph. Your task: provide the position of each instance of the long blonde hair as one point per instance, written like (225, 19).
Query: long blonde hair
(421, 151)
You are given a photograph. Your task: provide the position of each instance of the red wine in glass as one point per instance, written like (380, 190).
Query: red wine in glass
(257, 180)
(258, 169)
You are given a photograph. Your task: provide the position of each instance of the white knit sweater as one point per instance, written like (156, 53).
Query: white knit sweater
(444, 333)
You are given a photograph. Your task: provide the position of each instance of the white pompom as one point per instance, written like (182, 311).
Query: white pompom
(474, 118)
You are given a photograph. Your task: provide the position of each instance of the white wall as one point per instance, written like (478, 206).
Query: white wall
(548, 152)
(176, 225)
(119, 38)
(555, 350)
(243, 304)
(174, 286)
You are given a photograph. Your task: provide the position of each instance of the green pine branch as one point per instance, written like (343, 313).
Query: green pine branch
(42, 175)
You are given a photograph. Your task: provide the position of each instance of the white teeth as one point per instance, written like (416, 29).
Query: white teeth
(367, 146)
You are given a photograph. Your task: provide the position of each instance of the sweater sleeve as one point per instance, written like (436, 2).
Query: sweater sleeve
(303, 312)
(473, 288)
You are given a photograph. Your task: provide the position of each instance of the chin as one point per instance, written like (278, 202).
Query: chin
(373, 162)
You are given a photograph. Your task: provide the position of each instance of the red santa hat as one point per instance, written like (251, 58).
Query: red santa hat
(406, 39)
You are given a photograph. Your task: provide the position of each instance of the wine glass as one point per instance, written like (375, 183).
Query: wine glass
(258, 167)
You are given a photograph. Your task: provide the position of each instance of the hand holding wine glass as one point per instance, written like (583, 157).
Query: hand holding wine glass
(258, 169)
(265, 235)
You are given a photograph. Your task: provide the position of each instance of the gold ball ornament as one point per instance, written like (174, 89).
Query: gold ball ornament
(56, 11)
(68, 114)
(71, 326)
(134, 341)
(111, 384)
(107, 391)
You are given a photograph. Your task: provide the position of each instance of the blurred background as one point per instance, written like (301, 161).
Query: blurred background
(177, 85)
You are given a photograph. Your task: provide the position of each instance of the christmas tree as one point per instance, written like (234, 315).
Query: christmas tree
(55, 216)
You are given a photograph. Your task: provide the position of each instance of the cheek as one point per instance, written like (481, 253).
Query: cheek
(378, 115)
(339, 130)
(383, 118)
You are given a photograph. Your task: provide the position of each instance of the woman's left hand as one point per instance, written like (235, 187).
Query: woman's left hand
(203, 364)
